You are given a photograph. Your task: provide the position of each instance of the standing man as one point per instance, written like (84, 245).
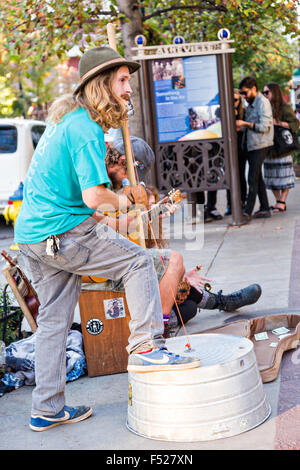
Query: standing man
(62, 235)
(259, 137)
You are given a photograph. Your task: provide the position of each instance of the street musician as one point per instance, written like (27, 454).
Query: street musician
(62, 236)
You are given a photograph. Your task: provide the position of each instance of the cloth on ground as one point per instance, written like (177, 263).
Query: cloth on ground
(20, 360)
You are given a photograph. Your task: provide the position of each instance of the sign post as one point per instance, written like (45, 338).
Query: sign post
(189, 115)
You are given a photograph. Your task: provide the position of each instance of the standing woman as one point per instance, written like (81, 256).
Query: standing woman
(279, 173)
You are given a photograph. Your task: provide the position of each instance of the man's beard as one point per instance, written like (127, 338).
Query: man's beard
(251, 99)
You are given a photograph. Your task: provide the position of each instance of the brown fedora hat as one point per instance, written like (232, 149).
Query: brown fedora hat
(99, 59)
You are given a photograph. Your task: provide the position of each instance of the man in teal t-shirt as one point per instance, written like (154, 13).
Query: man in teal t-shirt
(57, 176)
(62, 235)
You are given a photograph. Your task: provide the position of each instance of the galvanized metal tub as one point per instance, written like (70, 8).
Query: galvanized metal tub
(221, 398)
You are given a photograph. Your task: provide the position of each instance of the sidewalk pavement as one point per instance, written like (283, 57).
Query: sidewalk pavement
(266, 251)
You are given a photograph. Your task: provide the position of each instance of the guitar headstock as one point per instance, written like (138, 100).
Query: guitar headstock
(175, 196)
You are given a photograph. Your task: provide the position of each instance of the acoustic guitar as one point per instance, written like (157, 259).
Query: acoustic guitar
(28, 293)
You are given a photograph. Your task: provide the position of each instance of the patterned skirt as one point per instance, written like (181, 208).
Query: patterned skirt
(279, 173)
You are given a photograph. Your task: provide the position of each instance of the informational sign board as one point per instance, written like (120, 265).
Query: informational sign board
(188, 111)
(186, 94)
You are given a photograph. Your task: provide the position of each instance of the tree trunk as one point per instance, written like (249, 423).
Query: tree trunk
(130, 29)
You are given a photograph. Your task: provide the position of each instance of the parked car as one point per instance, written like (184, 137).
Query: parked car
(18, 139)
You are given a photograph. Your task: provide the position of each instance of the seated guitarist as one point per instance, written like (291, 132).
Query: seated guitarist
(194, 294)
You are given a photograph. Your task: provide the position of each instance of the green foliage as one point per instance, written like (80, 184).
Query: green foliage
(7, 99)
(296, 158)
(265, 32)
(296, 154)
(36, 35)
(271, 58)
(20, 87)
(12, 326)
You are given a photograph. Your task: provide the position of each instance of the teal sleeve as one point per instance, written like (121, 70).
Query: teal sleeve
(89, 163)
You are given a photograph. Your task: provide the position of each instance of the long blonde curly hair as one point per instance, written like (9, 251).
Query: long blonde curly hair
(97, 97)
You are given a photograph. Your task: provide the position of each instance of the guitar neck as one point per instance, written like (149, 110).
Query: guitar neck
(158, 209)
(8, 258)
(155, 208)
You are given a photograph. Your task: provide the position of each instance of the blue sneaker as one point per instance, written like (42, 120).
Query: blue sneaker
(159, 360)
(65, 416)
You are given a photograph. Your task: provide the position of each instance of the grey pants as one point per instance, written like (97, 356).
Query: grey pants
(95, 249)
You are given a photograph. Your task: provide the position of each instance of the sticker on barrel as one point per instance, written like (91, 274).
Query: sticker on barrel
(114, 308)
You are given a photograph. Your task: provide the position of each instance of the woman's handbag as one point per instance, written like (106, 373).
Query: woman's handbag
(285, 142)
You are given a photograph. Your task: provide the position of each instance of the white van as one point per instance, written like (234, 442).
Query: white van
(18, 139)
